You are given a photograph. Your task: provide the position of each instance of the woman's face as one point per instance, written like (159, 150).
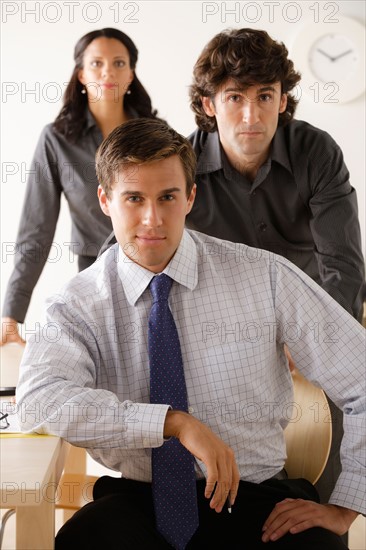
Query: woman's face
(106, 72)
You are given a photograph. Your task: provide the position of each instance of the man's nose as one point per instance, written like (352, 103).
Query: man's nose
(250, 112)
(152, 216)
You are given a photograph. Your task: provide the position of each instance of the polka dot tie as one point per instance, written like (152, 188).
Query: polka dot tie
(173, 476)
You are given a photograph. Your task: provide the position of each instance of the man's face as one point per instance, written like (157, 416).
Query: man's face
(247, 118)
(148, 206)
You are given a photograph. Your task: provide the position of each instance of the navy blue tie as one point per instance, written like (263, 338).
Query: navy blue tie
(173, 475)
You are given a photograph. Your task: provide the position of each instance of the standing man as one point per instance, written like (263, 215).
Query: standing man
(270, 181)
(153, 362)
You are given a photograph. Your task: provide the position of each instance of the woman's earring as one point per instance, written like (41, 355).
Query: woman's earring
(128, 92)
(83, 91)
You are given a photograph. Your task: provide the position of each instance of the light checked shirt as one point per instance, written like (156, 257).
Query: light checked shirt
(85, 375)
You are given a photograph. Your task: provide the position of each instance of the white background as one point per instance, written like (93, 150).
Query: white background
(169, 36)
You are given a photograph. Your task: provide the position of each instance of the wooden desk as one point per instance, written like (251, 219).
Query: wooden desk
(30, 470)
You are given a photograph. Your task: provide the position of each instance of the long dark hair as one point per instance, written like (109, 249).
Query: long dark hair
(72, 117)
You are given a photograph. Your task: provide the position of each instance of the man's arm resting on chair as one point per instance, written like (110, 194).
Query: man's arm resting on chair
(296, 515)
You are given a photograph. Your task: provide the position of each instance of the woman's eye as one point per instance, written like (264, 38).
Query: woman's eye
(120, 64)
(95, 63)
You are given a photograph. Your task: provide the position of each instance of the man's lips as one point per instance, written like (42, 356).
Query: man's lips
(150, 238)
(251, 133)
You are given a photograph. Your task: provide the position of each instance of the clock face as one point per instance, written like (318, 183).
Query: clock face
(334, 58)
(331, 60)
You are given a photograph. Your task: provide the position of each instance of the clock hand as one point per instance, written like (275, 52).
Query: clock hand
(342, 54)
(325, 53)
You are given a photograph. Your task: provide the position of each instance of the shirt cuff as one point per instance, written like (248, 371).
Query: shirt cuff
(349, 492)
(145, 426)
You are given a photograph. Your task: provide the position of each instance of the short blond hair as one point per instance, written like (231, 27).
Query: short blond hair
(140, 141)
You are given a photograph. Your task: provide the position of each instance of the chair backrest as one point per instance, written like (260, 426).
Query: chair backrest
(309, 433)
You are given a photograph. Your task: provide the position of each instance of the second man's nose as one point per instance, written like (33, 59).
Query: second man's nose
(250, 112)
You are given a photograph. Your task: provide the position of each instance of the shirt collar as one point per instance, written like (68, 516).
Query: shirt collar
(182, 268)
(279, 149)
(211, 155)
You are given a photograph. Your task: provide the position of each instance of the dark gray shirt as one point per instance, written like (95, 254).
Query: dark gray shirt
(58, 166)
(300, 205)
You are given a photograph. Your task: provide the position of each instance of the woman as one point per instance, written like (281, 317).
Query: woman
(103, 92)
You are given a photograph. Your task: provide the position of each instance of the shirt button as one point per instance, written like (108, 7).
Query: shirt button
(191, 410)
(262, 226)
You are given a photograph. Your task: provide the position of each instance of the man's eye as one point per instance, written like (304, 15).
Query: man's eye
(234, 98)
(266, 98)
(167, 197)
(134, 198)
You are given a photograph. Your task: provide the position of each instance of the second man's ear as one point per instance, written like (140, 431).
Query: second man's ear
(208, 106)
(283, 103)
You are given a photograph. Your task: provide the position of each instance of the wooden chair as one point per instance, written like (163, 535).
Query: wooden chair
(76, 486)
(309, 434)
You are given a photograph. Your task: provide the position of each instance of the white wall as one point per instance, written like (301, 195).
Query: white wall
(169, 36)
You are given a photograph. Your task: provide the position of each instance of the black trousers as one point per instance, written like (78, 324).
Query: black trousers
(122, 517)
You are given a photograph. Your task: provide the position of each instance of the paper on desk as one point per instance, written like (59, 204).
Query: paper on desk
(9, 424)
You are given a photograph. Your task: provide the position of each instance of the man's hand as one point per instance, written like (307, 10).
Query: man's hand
(297, 515)
(222, 471)
(9, 332)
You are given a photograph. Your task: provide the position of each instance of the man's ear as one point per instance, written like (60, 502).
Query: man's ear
(191, 198)
(283, 103)
(208, 106)
(103, 200)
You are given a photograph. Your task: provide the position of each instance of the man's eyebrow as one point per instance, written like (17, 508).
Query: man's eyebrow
(141, 194)
(243, 90)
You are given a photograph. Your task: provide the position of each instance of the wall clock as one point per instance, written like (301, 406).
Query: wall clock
(331, 59)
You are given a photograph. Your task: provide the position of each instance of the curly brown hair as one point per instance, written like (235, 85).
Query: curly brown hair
(247, 56)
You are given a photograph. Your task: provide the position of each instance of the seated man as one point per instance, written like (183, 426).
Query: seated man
(161, 392)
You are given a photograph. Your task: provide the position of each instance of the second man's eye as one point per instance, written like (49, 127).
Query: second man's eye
(235, 98)
(266, 98)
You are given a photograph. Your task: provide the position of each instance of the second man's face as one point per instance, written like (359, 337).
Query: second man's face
(148, 206)
(247, 119)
